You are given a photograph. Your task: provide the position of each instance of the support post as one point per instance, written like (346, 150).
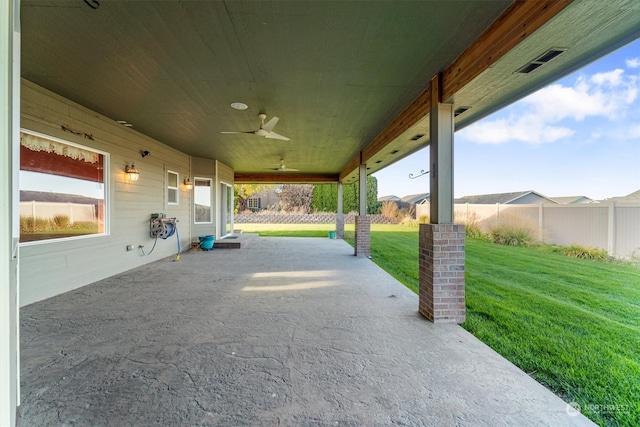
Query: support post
(9, 231)
(340, 214)
(441, 243)
(611, 229)
(363, 221)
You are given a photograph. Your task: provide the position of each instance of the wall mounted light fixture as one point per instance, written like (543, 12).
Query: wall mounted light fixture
(188, 184)
(131, 172)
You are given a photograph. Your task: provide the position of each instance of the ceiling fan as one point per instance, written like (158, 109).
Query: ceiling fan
(283, 168)
(266, 129)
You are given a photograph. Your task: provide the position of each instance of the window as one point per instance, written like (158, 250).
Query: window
(253, 203)
(62, 189)
(172, 187)
(202, 200)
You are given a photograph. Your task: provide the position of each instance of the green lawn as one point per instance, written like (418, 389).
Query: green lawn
(574, 325)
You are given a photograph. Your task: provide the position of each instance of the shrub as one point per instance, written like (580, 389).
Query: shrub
(407, 221)
(513, 230)
(423, 219)
(61, 221)
(389, 210)
(588, 252)
(471, 223)
(30, 224)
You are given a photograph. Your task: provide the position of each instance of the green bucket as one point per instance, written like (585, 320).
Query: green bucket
(332, 234)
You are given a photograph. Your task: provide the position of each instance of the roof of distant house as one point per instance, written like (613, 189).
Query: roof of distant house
(571, 200)
(46, 196)
(631, 197)
(503, 198)
(415, 198)
(389, 198)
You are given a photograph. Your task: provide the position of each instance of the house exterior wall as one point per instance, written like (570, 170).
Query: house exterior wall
(53, 267)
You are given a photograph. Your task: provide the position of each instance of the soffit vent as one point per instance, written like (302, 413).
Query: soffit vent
(541, 60)
(459, 111)
(417, 137)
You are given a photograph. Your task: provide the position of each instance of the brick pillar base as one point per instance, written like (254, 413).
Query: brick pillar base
(363, 235)
(441, 277)
(339, 226)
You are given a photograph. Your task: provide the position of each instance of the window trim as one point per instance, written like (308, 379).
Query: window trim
(253, 201)
(211, 197)
(106, 178)
(170, 188)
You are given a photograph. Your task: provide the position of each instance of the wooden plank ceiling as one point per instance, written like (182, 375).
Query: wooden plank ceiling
(349, 80)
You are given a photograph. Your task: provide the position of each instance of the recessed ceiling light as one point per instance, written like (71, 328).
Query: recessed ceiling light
(239, 105)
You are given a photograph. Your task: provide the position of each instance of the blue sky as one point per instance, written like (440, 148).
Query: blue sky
(578, 136)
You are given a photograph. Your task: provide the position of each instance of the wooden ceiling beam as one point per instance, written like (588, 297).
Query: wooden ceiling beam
(519, 21)
(353, 165)
(277, 178)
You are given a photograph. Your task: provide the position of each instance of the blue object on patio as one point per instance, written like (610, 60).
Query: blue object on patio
(332, 234)
(206, 242)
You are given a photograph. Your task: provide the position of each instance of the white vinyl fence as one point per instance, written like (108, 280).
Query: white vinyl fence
(612, 226)
(76, 212)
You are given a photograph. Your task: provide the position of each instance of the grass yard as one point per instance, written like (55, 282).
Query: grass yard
(572, 324)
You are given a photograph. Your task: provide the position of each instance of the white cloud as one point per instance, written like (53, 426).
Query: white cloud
(526, 129)
(633, 63)
(535, 119)
(612, 78)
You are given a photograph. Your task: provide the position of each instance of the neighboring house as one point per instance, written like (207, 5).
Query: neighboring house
(574, 200)
(267, 199)
(390, 198)
(632, 197)
(48, 196)
(409, 202)
(516, 198)
(415, 199)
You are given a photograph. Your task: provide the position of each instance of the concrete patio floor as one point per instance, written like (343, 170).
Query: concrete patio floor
(285, 332)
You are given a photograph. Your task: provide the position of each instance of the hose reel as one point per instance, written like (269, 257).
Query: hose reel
(163, 228)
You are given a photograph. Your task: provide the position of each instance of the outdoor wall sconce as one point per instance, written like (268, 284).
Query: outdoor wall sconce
(188, 184)
(131, 172)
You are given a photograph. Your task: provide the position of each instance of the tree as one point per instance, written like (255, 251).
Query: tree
(296, 198)
(325, 197)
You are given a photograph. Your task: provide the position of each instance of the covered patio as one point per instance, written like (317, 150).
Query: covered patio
(160, 107)
(287, 331)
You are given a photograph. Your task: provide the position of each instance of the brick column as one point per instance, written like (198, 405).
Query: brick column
(441, 277)
(340, 226)
(363, 236)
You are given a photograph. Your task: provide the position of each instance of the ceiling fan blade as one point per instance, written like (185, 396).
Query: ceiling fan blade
(230, 133)
(270, 124)
(274, 135)
(290, 170)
